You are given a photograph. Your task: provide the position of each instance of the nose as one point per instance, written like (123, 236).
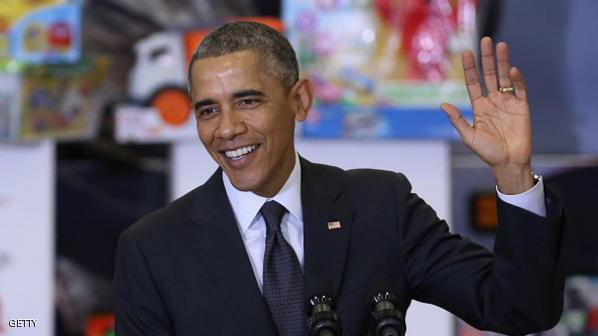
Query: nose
(230, 125)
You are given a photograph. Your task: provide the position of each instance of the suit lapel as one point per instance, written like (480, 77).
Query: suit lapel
(325, 245)
(215, 238)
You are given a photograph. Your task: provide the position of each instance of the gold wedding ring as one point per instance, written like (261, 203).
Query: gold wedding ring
(508, 89)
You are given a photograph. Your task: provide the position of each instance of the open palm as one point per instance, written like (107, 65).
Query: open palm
(501, 130)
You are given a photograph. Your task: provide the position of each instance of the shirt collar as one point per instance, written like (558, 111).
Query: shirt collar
(246, 204)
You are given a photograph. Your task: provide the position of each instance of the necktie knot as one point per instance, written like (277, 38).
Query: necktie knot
(273, 212)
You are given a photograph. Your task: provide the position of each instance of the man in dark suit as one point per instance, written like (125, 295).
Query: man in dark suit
(232, 256)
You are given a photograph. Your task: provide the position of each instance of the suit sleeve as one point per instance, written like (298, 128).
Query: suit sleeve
(139, 307)
(516, 290)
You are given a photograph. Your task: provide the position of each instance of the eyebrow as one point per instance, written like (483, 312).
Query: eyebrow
(202, 103)
(248, 93)
(236, 95)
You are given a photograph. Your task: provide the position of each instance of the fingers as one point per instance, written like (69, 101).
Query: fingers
(504, 66)
(471, 76)
(461, 125)
(488, 68)
(519, 83)
(506, 75)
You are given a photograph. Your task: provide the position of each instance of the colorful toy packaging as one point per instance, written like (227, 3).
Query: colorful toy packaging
(62, 102)
(41, 31)
(381, 68)
(44, 88)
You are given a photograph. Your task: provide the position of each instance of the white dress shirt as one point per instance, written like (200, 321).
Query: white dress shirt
(531, 200)
(246, 206)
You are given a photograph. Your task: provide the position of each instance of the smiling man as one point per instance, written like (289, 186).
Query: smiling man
(246, 120)
(233, 256)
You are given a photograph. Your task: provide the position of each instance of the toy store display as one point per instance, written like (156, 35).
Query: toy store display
(58, 101)
(41, 31)
(381, 68)
(46, 90)
(159, 109)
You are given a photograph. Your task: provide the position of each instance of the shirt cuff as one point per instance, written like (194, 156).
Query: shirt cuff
(531, 200)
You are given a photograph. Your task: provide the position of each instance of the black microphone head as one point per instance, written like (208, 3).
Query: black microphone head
(379, 289)
(386, 317)
(323, 320)
(318, 289)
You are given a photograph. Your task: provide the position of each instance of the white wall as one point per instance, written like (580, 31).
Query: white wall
(27, 237)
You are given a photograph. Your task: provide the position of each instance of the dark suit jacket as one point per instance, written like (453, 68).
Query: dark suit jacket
(184, 270)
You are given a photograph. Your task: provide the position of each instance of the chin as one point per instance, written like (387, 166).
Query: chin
(244, 185)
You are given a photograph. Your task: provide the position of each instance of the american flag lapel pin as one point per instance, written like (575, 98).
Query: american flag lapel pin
(334, 225)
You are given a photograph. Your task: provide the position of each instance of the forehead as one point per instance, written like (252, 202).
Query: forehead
(227, 72)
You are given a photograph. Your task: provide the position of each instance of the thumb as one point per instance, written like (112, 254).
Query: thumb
(459, 123)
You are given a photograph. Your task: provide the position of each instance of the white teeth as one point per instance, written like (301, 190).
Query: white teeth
(237, 154)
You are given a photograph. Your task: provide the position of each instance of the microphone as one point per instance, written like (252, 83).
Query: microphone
(323, 320)
(388, 320)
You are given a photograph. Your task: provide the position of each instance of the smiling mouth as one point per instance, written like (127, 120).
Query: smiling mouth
(241, 152)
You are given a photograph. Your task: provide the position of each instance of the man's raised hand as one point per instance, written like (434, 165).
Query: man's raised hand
(501, 130)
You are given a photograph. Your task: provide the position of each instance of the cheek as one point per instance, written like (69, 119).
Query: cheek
(204, 132)
(257, 123)
(280, 135)
(278, 120)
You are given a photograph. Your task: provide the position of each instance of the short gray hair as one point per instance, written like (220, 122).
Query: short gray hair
(273, 48)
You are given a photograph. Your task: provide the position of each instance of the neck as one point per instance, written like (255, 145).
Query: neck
(286, 169)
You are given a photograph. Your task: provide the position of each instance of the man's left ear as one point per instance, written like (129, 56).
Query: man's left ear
(302, 98)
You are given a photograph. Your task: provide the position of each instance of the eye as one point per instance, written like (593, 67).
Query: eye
(248, 103)
(206, 112)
